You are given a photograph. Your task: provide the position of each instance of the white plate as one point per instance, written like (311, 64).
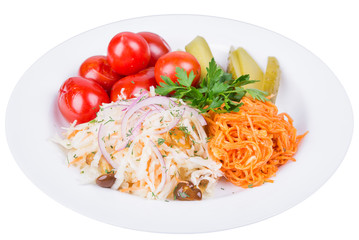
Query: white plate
(309, 92)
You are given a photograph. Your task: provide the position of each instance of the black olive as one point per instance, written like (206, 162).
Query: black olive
(186, 191)
(106, 180)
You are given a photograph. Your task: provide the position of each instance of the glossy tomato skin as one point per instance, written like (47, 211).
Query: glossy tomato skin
(80, 99)
(166, 66)
(98, 69)
(158, 46)
(128, 53)
(133, 84)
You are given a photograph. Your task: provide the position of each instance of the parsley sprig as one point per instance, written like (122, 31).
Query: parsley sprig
(217, 89)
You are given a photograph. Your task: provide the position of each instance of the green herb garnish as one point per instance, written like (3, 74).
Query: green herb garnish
(154, 195)
(111, 120)
(183, 195)
(218, 91)
(128, 144)
(129, 132)
(184, 129)
(160, 141)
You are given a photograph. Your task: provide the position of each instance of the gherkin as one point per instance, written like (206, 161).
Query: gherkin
(199, 48)
(272, 78)
(241, 63)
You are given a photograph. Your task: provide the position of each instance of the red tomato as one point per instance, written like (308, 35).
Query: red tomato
(134, 84)
(166, 66)
(80, 99)
(158, 46)
(128, 53)
(98, 69)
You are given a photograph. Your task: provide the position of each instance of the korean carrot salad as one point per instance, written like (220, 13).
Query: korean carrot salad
(168, 125)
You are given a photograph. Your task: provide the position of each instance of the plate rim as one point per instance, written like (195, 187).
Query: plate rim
(183, 15)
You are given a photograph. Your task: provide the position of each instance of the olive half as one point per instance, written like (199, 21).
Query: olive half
(186, 191)
(106, 180)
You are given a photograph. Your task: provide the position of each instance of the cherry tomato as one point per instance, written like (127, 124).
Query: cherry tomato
(158, 46)
(166, 66)
(133, 84)
(80, 99)
(98, 69)
(128, 53)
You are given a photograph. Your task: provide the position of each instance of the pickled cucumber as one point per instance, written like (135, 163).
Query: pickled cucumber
(241, 63)
(233, 64)
(199, 48)
(272, 78)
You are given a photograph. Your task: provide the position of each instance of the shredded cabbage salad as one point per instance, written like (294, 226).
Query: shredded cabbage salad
(149, 143)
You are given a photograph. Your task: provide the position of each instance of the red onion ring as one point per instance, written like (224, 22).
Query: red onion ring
(123, 145)
(102, 146)
(171, 125)
(196, 114)
(134, 107)
(137, 99)
(158, 108)
(135, 129)
(142, 119)
(163, 166)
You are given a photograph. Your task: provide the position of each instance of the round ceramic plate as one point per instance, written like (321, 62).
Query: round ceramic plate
(307, 88)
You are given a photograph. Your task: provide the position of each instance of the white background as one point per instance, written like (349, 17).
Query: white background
(330, 29)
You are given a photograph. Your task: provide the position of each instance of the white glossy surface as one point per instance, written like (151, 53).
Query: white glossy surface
(319, 155)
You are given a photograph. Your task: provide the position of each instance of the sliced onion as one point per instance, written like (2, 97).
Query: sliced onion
(171, 125)
(144, 94)
(158, 108)
(196, 114)
(123, 145)
(135, 129)
(125, 119)
(101, 144)
(133, 108)
(142, 119)
(163, 166)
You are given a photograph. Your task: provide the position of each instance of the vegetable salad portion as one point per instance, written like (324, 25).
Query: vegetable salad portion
(145, 146)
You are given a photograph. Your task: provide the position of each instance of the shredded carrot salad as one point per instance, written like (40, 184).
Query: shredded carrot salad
(253, 143)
